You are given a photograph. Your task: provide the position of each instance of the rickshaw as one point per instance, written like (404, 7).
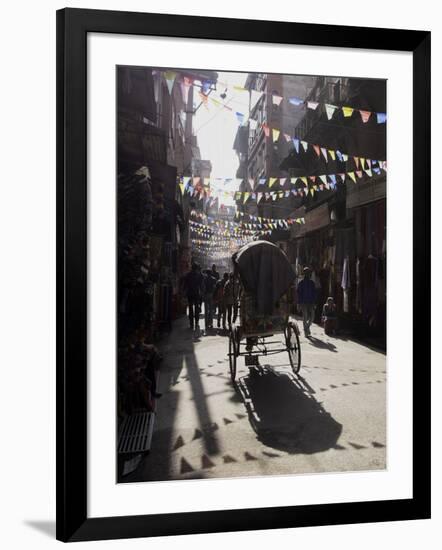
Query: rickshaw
(263, 276)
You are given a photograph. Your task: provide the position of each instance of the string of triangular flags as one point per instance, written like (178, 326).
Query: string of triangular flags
(257, 225)
(359, 163)
(329, 108)
(214, 254)
(311, 184)
(202, 229)
(261, 219)
(205, 85)
(214, 243)
(367, 166)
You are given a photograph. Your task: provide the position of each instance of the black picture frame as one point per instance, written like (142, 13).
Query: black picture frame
(73, 25)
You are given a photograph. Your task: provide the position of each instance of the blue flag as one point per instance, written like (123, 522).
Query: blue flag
(296, 101)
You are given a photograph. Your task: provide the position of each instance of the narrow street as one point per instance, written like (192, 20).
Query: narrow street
(331, 417)
(267, 192)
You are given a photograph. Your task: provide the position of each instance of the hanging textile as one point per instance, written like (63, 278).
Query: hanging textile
(345, 284)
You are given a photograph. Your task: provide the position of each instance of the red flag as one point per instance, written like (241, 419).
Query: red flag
(365, 115)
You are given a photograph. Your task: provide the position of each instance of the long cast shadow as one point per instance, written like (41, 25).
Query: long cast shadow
(318, 343)
(284, 413)
(178, 349)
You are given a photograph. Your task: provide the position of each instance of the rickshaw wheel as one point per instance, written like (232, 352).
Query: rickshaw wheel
(232, 355)
(293, 347)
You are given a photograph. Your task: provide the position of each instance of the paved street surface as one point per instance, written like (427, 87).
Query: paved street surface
(331, 417)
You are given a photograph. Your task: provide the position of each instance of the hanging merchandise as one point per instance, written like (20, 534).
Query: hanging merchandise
(345, 284)
(170, 79)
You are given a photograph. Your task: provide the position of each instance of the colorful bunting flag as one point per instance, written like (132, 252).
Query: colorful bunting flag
(296, 144)
(330, 110)
(365, 115)
(347, 111)
(276, 99)
(275, 134)
(312, 105)
(296, 101)
(381, 118)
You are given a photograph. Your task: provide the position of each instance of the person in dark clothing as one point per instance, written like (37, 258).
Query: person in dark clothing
(231, 295)
(329, 317)
(194, 288)
(209, 289)
(307, 299)
(214, 272)
(219, 300)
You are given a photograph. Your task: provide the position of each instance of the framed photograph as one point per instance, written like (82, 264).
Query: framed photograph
(243, 275)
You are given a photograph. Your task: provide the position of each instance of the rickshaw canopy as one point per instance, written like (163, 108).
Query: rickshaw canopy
(265, 272)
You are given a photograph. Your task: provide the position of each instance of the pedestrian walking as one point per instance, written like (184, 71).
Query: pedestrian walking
(231, 299)
(329, 316)
(307, 299)
(219, 301)
(209, 289)
(194, 288)
(214, 272)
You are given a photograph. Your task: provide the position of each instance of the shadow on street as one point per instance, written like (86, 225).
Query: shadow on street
(284, 413)
(178, 348)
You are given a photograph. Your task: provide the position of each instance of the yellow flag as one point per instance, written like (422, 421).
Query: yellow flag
(312, 191)
(332, 154)
(304, 180)
(348, 111)
(275, 134)
(352, 175)
(272, 181)
(182, 188)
